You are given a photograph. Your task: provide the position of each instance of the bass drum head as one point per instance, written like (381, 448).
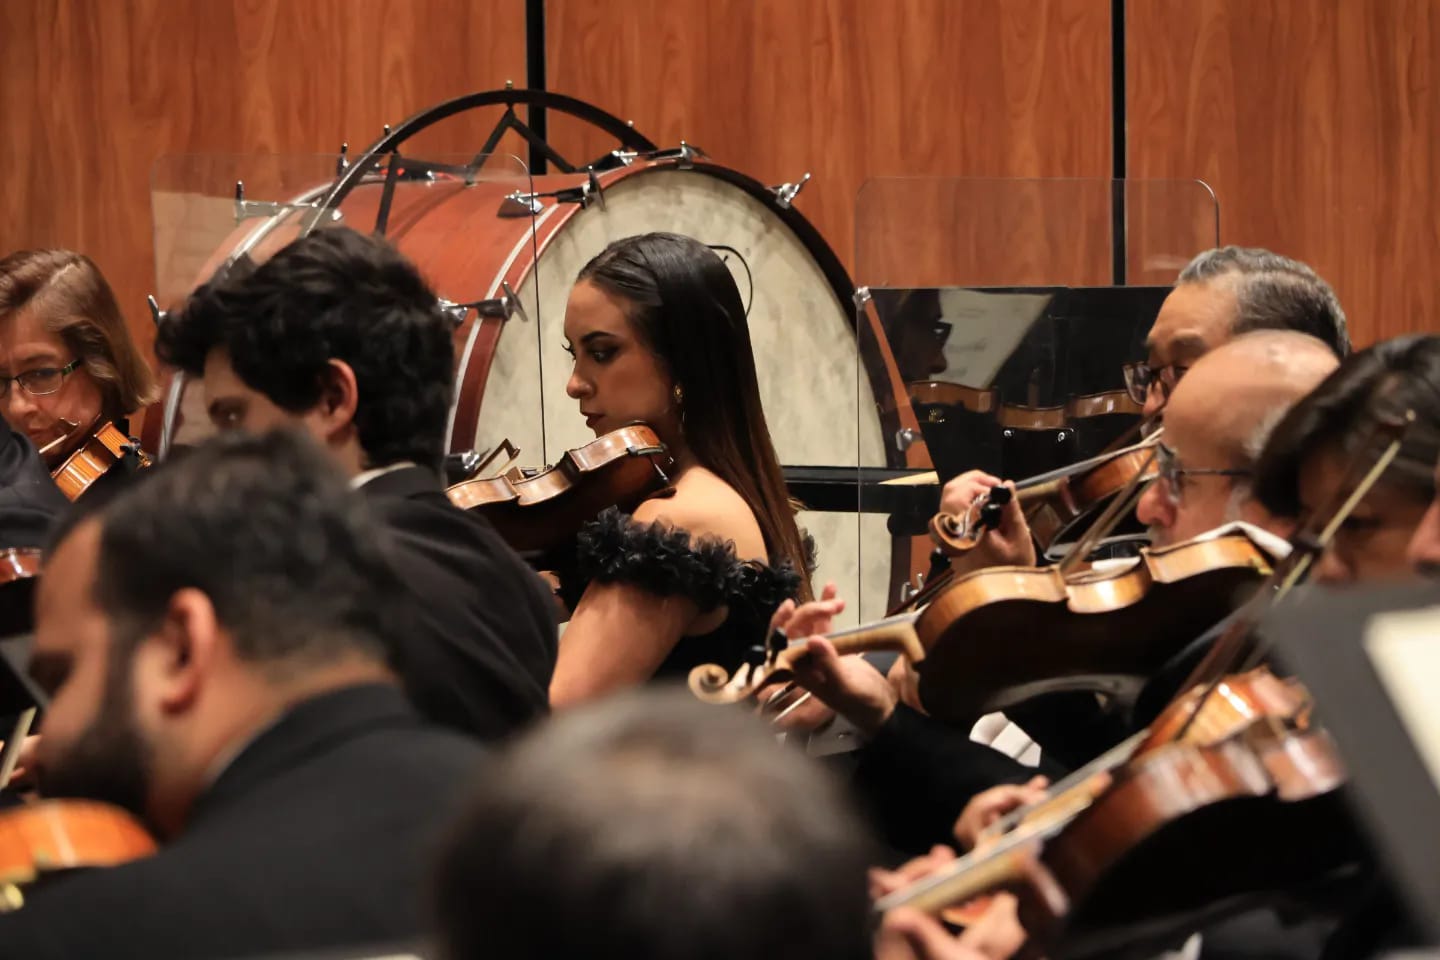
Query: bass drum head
(818, 404)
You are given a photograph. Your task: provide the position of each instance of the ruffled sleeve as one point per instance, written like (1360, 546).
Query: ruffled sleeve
(666, 561)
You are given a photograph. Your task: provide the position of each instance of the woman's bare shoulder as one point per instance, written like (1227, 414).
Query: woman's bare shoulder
(706, 506)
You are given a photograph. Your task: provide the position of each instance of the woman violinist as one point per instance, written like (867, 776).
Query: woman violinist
(68, 366)
(658, 332)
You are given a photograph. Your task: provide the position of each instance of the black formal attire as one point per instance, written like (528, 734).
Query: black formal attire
(482, 649)
(917, 774)
(318, 834)
(666, 561)
(29, 499)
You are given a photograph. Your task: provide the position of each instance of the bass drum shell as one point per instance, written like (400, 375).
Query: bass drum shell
(818, 404)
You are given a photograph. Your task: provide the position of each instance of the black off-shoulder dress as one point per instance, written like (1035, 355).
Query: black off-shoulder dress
(669, 562)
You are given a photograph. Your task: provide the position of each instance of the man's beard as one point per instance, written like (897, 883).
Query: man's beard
(110, 762)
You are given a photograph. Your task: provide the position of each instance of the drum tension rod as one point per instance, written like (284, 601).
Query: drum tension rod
(519, 204)
(499, 308)
(247, 209)
(786, 193)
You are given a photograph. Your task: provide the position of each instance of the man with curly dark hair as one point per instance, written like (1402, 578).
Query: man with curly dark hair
(339, 334)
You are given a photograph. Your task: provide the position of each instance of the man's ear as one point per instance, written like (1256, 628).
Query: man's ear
(184, 649)
(339, 397)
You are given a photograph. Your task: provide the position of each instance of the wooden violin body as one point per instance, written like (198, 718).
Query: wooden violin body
(50, 836)
(86, 457)
(1001, 635)
(1160, 833)
(539, 511)
(1196, 829)
(1053, 508)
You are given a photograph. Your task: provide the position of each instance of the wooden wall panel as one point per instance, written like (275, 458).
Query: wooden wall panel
(854, 89)
(96, 90)
(1317, 123)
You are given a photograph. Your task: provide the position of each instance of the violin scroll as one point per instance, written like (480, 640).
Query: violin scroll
(955, 534)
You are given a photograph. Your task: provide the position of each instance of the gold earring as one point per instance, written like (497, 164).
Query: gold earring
(679, 395)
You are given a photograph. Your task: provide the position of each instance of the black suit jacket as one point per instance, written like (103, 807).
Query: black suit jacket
(29, 499)
(918, 773)
(317, 835)
(483, 647)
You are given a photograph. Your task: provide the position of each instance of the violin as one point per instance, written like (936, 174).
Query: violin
(1244, 795)
(1056, 501)
(536, 511)
(994, 637)
(81, 457)
(1234, 762)
(40, 839)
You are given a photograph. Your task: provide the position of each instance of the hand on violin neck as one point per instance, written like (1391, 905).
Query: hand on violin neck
(23, 776)
(884, 882)
(1008, 543)
(908, 934)
(808, 619)
(990, 805)
(849, 686)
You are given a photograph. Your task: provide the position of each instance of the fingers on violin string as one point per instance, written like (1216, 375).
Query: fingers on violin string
(782, 615)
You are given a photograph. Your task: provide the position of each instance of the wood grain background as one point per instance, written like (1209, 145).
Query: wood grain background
(1316, 121)
(97, 90)
(1318, 125)
(849, 90)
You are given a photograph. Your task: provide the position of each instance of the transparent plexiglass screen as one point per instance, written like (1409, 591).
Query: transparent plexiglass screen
(460, 218)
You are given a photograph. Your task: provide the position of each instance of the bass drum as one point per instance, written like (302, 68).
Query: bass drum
(474, 242)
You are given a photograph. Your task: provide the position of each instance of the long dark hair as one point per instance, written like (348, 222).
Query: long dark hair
(1384, 380)
(687, 309)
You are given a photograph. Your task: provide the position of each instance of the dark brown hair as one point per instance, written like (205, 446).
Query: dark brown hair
(1342, 413)
(687, 309)
(69, 294)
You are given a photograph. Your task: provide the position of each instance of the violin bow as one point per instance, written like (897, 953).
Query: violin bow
(10, 755)
(1121, 504)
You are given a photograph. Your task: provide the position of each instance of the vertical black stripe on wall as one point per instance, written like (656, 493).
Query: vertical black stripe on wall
(535, 76)
(1118, 143)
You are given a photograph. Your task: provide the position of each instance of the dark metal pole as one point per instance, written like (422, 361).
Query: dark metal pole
(1118, 252)
(535, 76)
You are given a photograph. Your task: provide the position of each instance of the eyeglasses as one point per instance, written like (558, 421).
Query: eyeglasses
(1139, 377)
(1170, 473)
(40, 382)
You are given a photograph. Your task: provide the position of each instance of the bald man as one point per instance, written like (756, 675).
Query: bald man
(1218, 420)
(1216, 424)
